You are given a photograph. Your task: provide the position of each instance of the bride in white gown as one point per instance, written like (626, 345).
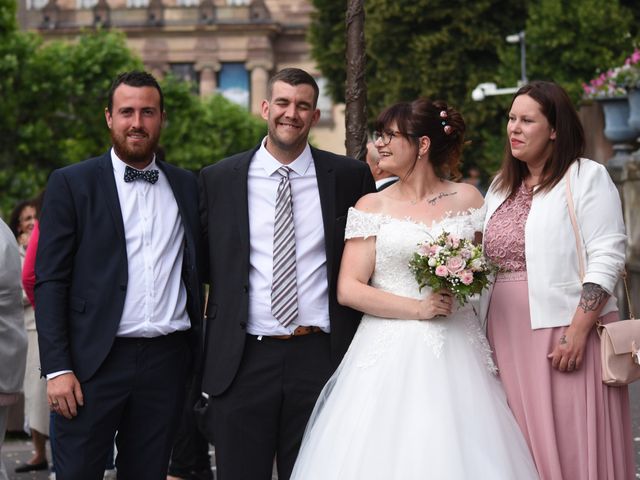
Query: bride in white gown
(416, 397)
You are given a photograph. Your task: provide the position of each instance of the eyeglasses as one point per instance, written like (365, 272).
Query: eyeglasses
(386, 135)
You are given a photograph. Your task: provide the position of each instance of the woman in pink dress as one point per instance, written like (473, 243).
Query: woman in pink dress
(541, 314)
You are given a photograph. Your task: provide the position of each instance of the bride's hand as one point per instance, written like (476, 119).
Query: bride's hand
(438, 304)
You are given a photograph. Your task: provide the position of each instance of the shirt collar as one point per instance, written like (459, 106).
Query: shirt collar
(270, 164)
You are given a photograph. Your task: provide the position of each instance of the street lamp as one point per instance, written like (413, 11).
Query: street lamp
(488, 89)
(519, 38)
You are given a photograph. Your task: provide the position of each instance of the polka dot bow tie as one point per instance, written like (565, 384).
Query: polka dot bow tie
(131, 174)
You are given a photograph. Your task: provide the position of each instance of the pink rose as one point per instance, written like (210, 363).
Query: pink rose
(424, 250)
(453, 241)
(441, 271)
(466, 277)
(455, 264)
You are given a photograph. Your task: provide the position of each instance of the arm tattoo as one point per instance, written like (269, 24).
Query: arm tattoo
(432, 201)
(592, 297)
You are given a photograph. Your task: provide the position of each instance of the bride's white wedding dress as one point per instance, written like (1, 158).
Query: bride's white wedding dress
(413, 400)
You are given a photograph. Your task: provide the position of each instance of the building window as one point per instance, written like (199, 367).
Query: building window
(233, 83)
(188, 3)
(137, 3)
(187, 73)
(325, 105)
(36, 4)
(86, 3)
(238, 3)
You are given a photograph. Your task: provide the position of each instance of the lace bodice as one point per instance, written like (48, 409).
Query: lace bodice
(397, 240)
(504, 236)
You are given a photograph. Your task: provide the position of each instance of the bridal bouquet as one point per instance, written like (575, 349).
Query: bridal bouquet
(451, 263)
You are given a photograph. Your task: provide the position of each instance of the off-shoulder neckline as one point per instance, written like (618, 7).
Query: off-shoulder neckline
(447, 216)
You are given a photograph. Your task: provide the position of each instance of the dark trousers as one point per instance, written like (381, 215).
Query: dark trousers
(110, 465)
(139, 392)
(265, 411)
(190, 458)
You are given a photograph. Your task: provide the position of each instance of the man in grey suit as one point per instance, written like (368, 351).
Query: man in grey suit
(275, 218)
(13, 341)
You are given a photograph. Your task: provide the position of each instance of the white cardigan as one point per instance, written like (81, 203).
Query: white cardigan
(550, 246)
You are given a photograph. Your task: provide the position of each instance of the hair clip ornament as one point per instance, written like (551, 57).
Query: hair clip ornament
(443, 114)
(448, 129)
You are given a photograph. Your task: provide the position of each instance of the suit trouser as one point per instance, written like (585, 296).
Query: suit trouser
(264, 412)
(190, 456)
(139, 392)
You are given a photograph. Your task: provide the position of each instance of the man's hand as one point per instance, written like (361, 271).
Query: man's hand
(65, 395)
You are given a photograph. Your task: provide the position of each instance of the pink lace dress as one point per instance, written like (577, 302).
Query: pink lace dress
(576, 427)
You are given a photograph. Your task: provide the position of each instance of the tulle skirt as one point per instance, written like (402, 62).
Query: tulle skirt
(414, 400)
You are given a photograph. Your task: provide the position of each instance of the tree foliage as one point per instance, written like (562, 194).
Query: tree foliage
(202, 131)
(443, 49)
(570, 41)
(52, 100)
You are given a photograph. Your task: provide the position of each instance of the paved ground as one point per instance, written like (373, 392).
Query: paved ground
(17, 449)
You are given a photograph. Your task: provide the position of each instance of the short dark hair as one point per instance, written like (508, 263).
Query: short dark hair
(568, 145)
(294, 76)
(135, 78)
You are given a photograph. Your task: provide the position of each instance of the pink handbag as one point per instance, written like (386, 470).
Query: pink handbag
(619, 341)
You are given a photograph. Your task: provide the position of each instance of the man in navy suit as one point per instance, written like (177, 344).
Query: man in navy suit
(263, 373)
(118, 295)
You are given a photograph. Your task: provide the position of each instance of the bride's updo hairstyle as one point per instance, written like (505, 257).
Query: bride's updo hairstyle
(443, 125)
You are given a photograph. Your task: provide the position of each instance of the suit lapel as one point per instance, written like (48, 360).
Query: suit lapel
(177, 193)
(240, 196)
(184, 216)
(325, 175)
(107, 182)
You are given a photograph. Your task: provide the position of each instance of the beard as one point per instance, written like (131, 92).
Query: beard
(140, 153)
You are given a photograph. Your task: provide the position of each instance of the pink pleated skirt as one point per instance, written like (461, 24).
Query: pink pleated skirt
(576, 427)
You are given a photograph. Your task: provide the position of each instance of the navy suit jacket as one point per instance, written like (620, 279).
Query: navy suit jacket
(225, 220)
(81, 264)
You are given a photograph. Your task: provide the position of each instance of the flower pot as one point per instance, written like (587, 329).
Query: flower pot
(634, 109)
(616, 120)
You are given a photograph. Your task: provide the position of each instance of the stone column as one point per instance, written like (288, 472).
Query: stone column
(208, 81)
(259, 80)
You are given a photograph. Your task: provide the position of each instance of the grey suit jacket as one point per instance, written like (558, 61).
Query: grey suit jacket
(13, 339)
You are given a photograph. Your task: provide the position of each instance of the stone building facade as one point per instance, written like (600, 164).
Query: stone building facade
(225, 46)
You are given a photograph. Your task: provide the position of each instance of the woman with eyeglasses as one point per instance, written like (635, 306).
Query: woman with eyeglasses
(416, 396)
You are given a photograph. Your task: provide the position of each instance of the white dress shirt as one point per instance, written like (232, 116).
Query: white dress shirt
(311, 258)
(156, 298)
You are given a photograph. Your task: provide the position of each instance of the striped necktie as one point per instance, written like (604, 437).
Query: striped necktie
(284, 291)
